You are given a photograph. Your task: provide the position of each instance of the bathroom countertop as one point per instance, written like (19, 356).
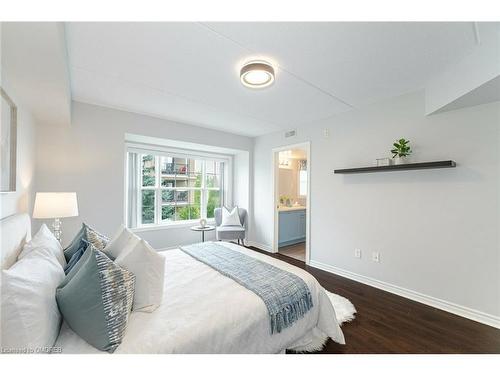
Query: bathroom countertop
(292, 208)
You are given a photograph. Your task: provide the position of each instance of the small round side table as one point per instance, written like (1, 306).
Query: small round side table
(206, 228)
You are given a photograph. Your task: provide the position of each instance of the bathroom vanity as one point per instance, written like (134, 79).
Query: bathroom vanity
(292, 225)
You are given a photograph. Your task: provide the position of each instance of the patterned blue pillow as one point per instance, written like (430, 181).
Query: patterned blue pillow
(96, 298)
(98, 240)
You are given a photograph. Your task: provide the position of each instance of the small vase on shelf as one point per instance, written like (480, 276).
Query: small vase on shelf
(401, 160)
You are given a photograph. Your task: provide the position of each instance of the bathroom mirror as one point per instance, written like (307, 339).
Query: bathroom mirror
(8, 140)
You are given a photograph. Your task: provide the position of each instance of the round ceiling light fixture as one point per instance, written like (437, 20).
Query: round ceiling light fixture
(257, 74)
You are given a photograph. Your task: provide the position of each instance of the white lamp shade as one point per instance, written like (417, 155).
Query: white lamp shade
(55, 205)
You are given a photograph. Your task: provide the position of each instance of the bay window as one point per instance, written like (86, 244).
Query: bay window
(166, 188)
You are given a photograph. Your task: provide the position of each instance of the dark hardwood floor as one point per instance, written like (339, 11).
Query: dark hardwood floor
(387, 323)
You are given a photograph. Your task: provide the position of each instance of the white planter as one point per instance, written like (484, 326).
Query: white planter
(401, 160)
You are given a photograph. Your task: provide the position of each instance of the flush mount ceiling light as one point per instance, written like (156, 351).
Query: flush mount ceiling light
(257, 74)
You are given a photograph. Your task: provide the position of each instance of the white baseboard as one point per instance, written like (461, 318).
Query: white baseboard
(466, 312)
(261, 246)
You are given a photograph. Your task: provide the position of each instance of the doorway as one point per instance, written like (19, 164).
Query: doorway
(291, 201)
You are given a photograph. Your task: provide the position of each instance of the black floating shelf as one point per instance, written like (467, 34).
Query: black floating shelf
(400, 167)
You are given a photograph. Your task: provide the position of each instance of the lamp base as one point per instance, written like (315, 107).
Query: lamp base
(57, 229)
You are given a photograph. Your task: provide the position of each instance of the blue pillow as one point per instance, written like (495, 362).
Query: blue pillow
(76, 245)
(76, 256)
(82, 239)
(95, 299)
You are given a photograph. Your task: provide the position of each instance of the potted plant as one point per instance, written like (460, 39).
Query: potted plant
(401, 151)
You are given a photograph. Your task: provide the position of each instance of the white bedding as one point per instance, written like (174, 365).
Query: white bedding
(205, 312)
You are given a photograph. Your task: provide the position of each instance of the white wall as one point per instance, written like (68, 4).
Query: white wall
(21, 200)
(241, 179)
(88, 157)
(436, 230)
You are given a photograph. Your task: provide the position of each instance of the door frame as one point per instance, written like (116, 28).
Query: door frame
(275, 194)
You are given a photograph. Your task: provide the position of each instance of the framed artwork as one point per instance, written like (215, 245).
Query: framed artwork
(8, 142)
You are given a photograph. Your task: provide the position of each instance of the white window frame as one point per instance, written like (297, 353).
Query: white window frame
(159, 152)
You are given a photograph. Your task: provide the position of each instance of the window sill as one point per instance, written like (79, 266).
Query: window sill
(184, 224)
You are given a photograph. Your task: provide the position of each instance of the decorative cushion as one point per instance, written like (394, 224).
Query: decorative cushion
(149, 269)
(77, 247)
(230, 218)
(30, 317)
(76, 257)
(44, 241)
(76, 244)
(98, 240)
(123, 241)
(95, 299)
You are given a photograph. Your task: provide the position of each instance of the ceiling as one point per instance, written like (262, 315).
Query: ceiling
(189, 71)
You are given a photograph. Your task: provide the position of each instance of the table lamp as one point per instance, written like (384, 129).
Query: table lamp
(55, 206)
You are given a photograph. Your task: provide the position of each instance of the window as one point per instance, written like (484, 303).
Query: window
(175, 188)
(302, 183)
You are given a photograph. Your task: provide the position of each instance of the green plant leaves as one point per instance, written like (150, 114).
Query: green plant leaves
(401, 148)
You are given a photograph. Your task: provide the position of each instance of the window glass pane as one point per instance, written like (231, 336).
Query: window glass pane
(195, 170)
(148, 206)
(167, 165)
(168, 181)
(181, 197)
(189, 212)
(180, 166)
(194, 180)
(188, 205)
(148, 170)
(213, 174)
(213, 201)
(303, 183)
(168, 213)
(167, 196)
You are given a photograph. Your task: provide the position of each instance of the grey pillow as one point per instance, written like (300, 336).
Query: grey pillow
(95, 299)
(77, 247)
(76, 244)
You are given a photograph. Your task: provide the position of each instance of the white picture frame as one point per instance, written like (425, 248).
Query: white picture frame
(8, 143)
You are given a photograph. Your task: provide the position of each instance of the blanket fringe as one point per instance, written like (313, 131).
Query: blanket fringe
(291, 313)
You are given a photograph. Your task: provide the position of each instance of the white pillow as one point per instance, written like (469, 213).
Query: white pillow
(230, 218)
(149, 269)
(44, 242)
(123, 241)
(30, 317)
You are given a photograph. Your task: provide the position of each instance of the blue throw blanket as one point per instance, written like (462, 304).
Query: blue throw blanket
(286, 296)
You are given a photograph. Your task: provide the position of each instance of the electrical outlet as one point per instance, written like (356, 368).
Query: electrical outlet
(376, 256)
(357, 253)
(326, 133)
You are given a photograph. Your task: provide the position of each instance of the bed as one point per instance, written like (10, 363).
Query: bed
(202, 310)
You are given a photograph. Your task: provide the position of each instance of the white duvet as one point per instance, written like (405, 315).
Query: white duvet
(205, 312)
